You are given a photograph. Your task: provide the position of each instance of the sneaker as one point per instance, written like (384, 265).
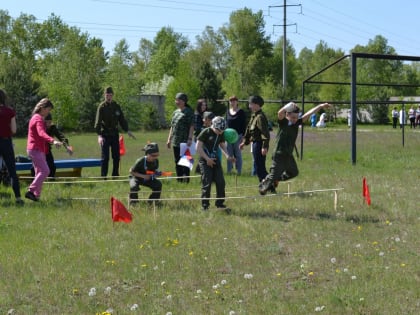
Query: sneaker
(265, 186)
(20, 202)
(30, 195)
(223, 208)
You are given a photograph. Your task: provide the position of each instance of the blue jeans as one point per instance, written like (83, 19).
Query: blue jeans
(233, 150)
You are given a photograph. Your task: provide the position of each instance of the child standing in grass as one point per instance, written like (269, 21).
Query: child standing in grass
(258, 133)
(54, 132)
(284, 166)
(37, 147)
(144, 173)
(208, 141)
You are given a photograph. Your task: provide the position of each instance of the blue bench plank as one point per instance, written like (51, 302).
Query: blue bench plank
(76, 163)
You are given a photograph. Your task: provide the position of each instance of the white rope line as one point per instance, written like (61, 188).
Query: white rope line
(110, 178)
(313, 191)
(335, 190)
(240, 197)
(104, 180)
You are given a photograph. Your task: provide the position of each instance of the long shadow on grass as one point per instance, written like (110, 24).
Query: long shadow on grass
(287, 215)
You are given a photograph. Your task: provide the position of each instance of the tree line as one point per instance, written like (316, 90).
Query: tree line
(71, 67)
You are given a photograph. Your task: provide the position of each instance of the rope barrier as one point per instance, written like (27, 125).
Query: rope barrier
(254, 197)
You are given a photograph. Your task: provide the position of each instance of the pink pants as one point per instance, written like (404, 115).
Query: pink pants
(41, 171)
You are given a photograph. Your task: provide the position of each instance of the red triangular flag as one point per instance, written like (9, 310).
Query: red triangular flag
(367, 195)
(364, 187)
(122, 146)
(119, 212)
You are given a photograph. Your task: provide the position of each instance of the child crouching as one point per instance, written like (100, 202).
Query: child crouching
(144, 172)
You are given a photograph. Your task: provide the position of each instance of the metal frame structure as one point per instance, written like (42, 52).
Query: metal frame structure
(353, 92)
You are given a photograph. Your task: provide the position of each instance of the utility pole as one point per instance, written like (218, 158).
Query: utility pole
(284, 6)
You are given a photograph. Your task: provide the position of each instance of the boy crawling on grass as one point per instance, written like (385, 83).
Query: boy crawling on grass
(144, 172)
(284, 166)
(208, 142)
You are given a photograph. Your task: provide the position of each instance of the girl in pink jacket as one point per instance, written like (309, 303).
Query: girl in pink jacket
(37, 147)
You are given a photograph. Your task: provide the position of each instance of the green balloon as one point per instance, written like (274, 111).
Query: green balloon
(231, 136)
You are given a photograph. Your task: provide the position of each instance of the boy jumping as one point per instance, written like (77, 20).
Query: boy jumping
(284, 166)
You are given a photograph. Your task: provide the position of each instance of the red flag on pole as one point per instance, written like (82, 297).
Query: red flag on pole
(367, 195)
(122, 146)
(119, 212)
(364, 187)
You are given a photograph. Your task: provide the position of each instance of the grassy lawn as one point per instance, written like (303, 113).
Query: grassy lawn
(272, 255)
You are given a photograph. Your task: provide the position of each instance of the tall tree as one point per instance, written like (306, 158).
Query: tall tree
(168, 47)
(250, 51)
(18, 65)
(127, 87)
(71, 73)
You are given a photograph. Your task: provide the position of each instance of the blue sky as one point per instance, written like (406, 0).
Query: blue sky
(341, 24)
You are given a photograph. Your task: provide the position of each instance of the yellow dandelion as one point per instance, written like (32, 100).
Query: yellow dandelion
(76, 292)
(403, 265)
(337, 270)
(278, 274)
(359, 228)
(310, 274)
(374, 243)
(190, 253)
(144, 265)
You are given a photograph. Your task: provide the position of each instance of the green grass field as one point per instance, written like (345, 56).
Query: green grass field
(271, 255)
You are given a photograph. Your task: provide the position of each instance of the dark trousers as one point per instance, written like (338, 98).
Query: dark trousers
(259, 160)
(8, 154)
(181, 171)
(394, 122)
(283, 168)
(209, 175)
(154, 184)
(113, 143)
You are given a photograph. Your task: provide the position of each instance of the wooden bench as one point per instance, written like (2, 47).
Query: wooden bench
(65, 168)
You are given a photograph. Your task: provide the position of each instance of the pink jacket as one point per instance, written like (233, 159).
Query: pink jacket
(38, 138)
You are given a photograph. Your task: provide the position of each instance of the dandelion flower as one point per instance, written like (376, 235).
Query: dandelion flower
(353, 277)
(134, 307)
(199, 291)
(107, 290)
(333, 260)
(381, 253)
(248, 276)
(319, 308)
(92, 292)
(216, 286)
(223, 282)
(232, 313)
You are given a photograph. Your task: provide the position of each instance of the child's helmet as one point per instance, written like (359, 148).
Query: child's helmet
(218, 123)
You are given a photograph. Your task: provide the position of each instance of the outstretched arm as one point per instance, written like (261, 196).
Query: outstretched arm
(308, 114)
